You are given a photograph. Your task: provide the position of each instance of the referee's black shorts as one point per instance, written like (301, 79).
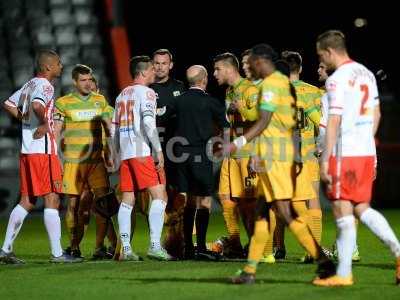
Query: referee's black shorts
(195, 173)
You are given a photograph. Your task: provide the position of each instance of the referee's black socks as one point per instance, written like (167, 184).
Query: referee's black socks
(202, 218)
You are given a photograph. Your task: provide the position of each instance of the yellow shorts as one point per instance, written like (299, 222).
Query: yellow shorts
(234, 179)
(76, 177)
(276, 182)
(304, 184)
(314, 169)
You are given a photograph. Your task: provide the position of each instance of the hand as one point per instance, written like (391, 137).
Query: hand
(225, 149)
(109, 162)
(253, 165)
(159, 161)
(232, 108)
(40, 131)
(325, 177)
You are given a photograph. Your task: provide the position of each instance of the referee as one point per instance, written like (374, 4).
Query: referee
(197, 113)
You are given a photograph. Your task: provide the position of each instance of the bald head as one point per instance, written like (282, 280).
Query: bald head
(196, 75)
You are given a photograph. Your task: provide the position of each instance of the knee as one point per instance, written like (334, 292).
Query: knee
(72, 204)
(25, 202)
(204, 203)
(52, 201)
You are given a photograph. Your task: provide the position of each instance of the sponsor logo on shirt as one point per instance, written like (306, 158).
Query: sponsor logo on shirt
(84, 115)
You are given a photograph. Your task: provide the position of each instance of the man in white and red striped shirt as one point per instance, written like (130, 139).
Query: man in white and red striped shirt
(349, 155)
(40, 169)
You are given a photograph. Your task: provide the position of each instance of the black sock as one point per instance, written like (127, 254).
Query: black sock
(202, 218)
(188, 220)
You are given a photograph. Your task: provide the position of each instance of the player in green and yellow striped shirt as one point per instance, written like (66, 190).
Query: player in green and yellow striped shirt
(81, 118)
(237, 190)
(274, 132)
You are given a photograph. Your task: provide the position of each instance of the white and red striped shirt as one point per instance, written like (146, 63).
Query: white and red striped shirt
(353, 94)
(39, 90)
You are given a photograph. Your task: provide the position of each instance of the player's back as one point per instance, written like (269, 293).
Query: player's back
(353, 94)
(275, 96)
(39, 90)
(131, 106)
(308, 100)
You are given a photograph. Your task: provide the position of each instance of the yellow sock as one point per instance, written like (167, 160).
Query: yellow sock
(316, 223)
(300, 207)
(231, 218)
(70, 222)
(257, 245)
(268, 250)
(303, 235)
(279, 233)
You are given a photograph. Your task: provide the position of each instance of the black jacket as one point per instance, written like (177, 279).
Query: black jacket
(197, 113)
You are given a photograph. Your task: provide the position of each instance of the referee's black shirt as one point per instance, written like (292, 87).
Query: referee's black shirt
(197, 112)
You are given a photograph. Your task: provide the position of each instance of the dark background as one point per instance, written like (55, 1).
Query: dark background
(195, 32)
(199, 31)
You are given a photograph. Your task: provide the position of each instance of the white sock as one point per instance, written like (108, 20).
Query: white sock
(124, 224)
(53, 227)
(380, 227)
(345, 242)
(15, 222)
(156, 222)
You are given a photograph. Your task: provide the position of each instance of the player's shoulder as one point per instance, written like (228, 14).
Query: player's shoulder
(276, 80)
(143, 92)
(177, 83)
(65, 99)
(42, 86)
(307, 87)
(98, 97)
(248, 84)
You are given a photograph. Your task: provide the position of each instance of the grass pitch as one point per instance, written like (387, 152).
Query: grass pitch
(38, 279)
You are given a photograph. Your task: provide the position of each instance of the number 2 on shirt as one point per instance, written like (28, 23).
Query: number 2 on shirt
(364, 89)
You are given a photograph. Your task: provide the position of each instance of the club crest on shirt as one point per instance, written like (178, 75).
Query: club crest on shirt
(97, 104)
(161, 111)
(267, 96)
(176, 93)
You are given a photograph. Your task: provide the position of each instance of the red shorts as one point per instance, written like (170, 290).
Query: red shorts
(352, 178)
(40, 174)
(139, 173)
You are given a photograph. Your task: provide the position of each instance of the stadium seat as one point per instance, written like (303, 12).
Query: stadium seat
(88, 35)
(82, 3)
(44, 39)
(9, 163)
(83, 16)
(69, 54)
(61, 16)
(6, 142)
(65, 35)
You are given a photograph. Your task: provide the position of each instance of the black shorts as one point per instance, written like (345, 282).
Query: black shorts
(195, 173)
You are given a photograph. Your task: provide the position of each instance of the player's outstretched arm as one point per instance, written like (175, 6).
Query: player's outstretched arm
(12, 110)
